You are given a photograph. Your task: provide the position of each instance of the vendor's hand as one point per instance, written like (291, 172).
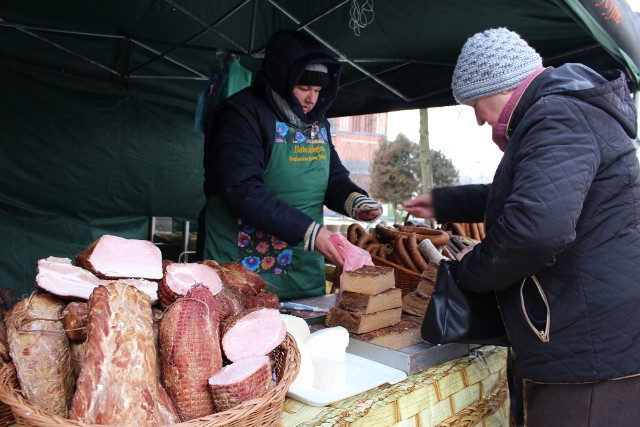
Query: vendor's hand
(421, 206)
(325, 246)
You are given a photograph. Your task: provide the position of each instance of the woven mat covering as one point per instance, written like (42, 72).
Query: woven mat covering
(467, 391)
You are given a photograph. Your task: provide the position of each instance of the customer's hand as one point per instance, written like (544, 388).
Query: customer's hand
(325, 246)
(368, 214)
(421, 206)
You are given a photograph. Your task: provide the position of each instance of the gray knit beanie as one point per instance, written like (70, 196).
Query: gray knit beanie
(492, 62)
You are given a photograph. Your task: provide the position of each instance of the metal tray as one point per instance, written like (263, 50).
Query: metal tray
(410, 360)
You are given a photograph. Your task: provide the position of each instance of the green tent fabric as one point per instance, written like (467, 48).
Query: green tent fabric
(80, 161)
(98, 98)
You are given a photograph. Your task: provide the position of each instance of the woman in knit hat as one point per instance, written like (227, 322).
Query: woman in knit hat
(564, 206)
(270, 167)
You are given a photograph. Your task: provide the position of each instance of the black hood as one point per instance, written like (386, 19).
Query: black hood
(607, 91)
(287, 54)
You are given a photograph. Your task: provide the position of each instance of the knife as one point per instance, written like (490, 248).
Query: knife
(288, 305)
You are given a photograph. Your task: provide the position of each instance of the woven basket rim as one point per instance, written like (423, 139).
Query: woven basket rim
(22, 408)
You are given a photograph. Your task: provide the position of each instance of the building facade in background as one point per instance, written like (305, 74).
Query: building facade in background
(357, 139)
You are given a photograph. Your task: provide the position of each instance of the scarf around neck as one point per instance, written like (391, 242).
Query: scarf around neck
(499, 130)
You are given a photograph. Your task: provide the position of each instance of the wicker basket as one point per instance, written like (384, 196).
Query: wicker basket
(6, 414)
(406, 279)
(265, 411)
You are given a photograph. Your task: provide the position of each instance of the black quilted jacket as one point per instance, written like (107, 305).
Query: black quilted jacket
(564, 206)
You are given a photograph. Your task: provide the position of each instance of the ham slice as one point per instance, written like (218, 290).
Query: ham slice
(113, 257)
(118, 383)
(253, 332)
(59, 277)
(246, 379)
(180, 277)
(190, 351)
(40, 351)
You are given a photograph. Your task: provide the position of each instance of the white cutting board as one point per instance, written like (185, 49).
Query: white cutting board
(362, 375)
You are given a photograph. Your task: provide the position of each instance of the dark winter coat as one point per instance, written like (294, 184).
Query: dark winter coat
(564, 206)
(240, 135)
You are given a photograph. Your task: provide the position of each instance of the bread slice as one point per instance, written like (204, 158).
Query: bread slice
(369, 279)
(357, 323)
(367, 304)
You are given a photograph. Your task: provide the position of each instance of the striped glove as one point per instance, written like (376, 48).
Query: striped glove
(356, 202)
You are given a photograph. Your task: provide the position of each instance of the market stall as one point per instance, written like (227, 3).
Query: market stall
(355, 357)
(467, 390)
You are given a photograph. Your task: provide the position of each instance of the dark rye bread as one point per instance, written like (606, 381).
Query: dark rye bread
(368, 279)
(400, 335)
(357, 323)
(367, 304)
(412, 303)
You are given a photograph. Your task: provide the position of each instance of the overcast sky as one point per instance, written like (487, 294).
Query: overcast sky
(453, 130)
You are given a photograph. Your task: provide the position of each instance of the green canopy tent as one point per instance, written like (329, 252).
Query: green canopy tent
(97, 118)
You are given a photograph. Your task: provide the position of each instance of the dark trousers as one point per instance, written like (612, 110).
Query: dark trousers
(608, 403)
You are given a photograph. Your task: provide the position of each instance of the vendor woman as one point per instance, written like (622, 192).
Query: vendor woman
(270, 167)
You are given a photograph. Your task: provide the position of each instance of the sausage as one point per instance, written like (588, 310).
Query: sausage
(386, 234)
(403, 255)
(416, 256)
(364, 239)
(457, 228)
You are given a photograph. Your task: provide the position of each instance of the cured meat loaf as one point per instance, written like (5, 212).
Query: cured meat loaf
(113, 257)
(75, 317)
(230, 301)
(246, 379)
(40, 351)
(264, 299)
(254, 332)
(59, 277)
(118, 383)
(190, 351)
(237, 275)
(179, 277)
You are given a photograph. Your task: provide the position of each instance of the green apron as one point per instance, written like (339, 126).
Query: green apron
(297, 173)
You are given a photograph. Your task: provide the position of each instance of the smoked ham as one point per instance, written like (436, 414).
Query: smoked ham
(246, 379)
(179, 277)
(75, 317)
(230, 302)
(253, 332)
(40, 351)
(264, 299)
(113, 257)
(118, 383)
(190, 351)
(59, 277)
(240, 277)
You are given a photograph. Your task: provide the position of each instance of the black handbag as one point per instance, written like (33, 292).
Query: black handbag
(458, 316)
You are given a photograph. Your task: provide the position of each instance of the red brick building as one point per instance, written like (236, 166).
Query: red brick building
(356, 139)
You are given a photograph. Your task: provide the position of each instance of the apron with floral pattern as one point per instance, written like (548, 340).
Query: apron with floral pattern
(297, 173)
